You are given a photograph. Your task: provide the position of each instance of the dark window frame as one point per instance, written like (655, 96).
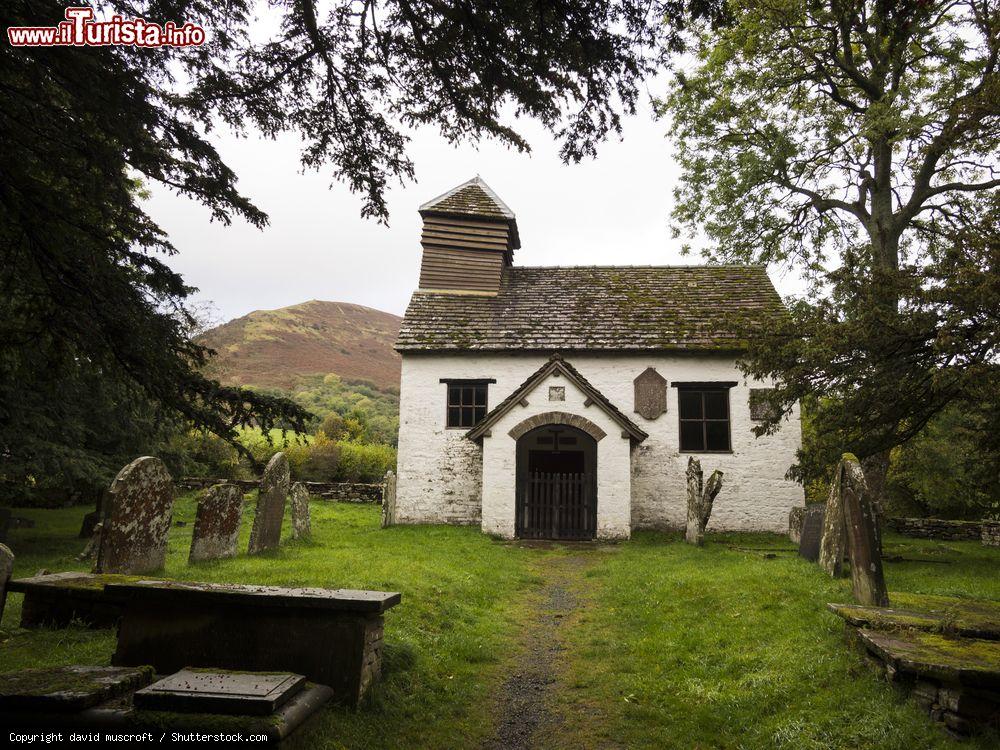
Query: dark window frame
(466, 402)
(702, 388)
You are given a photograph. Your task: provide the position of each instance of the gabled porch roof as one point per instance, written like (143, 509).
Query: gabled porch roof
(557, 365)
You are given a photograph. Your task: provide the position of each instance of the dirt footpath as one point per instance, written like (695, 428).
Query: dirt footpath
(523, 706)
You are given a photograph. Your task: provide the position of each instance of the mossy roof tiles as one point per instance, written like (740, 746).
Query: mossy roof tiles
(587, 308)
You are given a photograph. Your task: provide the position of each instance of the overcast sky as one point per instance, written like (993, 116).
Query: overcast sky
(610, 210)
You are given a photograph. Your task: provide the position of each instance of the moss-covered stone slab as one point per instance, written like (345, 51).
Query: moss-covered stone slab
(972, 618)
(56, 599)
(971, 662)
(68, 689)
(221, 691)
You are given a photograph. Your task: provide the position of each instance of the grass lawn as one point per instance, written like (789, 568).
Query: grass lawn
(671, 646)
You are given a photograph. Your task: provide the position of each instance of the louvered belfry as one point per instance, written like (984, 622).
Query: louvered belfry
(469, 236)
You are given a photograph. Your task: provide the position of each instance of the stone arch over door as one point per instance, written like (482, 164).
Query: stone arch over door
(556, 418)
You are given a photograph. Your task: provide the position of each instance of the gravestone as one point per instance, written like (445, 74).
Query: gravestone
(812, 530)
(863, 539)
(795, 524)
(833, 543)
(221, 692)
(266, 532)
(300, 511)
(5, 517)
(137, 519)
(94, 517)
(217, 523)
(389, 499)
(6, 568)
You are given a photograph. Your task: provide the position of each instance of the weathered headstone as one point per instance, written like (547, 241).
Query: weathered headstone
(300, 511)
(389, 499)
(266, 532)
(833, 543)
(93, 544)
(700, 499)
(217, 523)
(812, 530)
(6, 568)
(5, 517)
(137, 519)
(94, 517)
(795, 516)
(863, 539)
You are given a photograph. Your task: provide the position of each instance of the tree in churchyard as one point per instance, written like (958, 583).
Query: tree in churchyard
(857, 142)
(89, 310)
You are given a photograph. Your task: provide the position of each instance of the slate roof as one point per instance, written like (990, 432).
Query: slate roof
(472, 198)
(617, 308)
(557, 363)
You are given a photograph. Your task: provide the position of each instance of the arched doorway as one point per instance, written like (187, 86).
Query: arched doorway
(556, 483)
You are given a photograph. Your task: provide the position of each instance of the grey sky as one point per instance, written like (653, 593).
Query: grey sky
(610, 210)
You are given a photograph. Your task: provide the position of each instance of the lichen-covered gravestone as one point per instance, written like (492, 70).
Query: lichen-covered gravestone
(864, 542)
(137, 518)
(6, 568)
(300, 511)
(266, 532)
(217, 523)
(812, 530)
(833, 543)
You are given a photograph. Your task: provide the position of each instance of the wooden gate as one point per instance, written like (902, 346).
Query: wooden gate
(557, 506)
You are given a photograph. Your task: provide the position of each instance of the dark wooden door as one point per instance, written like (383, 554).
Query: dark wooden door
(557, 506)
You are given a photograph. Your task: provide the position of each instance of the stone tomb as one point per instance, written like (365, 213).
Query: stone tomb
(137, 519)
(301, 526)
(215, 692)
(217, 523)
(331, 636)
(78, 697)
(812, 531)
(56, 599)
(266, 532)
(67, 696)
(944, 650)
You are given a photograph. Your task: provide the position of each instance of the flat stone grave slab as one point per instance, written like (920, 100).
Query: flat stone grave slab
(972, 662)
(972, 618)
(80, 697)
(56, 599)
(331, 636)
(221, 692)
(68, 689)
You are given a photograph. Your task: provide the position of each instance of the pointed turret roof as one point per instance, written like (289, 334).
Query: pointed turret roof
(473, 197)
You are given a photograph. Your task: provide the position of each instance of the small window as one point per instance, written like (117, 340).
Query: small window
(466, 404)
(704, 416)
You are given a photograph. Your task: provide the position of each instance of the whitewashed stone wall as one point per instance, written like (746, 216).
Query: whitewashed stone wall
(441, 472)
(613, 463)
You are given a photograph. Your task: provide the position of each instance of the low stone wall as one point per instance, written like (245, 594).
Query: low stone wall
(342, 492)
(937, 528)
(991, 533)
